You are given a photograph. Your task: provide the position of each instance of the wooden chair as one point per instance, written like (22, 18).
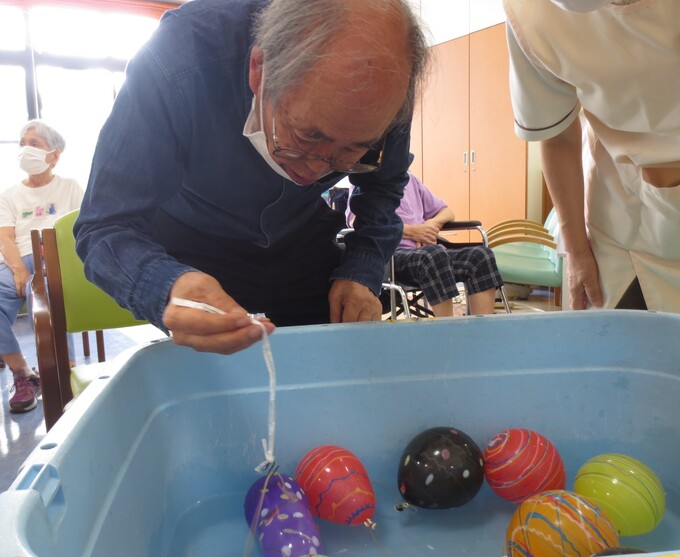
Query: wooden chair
(65, 301)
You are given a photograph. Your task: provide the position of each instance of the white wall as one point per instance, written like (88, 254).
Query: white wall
(450, 19)
(485, 13)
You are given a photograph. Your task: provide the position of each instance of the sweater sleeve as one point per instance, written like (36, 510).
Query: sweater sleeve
(137, 164)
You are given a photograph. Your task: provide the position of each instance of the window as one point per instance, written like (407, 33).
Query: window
(65, 63)
(77, 103)
(88, 33)
(12, 28)
(13, 115)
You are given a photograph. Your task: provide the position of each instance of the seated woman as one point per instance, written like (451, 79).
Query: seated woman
(435, 269)
(35, 202)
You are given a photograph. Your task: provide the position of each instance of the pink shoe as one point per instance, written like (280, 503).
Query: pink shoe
(26, 390)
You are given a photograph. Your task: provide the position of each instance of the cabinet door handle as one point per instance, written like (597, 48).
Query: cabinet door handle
(473, 157)
(465, 158)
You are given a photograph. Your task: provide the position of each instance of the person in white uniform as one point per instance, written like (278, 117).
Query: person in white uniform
(598, 84)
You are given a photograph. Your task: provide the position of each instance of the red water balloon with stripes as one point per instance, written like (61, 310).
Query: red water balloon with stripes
(337, 485)
(519, 463)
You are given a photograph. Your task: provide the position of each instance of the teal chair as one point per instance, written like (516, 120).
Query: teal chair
(526, 252)
(65, 301)
(511, 235)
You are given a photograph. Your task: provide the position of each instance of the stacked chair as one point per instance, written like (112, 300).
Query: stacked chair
(526, 252)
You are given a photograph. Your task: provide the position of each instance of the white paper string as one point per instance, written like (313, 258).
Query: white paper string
(267, 444)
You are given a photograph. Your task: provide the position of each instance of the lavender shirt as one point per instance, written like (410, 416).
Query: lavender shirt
(417, 205)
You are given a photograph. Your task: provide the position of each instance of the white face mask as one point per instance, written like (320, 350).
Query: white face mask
(32, 160)
(581, 5)
(255, 134)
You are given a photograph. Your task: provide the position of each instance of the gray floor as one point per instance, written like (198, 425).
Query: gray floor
(22, 432)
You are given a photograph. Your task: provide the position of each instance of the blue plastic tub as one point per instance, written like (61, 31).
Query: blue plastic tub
(155, 460)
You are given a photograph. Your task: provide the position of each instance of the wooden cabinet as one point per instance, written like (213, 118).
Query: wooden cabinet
(445, 121)
(498, 158)
(471, 157)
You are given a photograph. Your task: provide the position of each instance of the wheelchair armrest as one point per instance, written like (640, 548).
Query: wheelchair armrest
(340, 236)
(461, 225)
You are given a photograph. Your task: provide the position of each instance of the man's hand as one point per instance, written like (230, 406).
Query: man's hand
(584, 281)
(422, 234)
(207, 332)
(351, 301)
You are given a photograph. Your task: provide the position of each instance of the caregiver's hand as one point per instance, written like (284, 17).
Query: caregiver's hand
(584, 281)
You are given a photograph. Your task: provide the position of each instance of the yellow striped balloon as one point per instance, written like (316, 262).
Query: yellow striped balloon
(628, 491)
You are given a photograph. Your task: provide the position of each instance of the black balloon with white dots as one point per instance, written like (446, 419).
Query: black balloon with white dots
(440, 468)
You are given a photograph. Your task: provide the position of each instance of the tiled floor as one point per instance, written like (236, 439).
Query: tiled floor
(538, 301)
(22, 432)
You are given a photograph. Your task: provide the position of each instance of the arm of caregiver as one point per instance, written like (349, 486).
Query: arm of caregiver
(562, 167)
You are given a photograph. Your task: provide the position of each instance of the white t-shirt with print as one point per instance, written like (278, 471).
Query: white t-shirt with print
(26, 208)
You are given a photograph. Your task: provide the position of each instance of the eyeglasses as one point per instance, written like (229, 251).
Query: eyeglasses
(334, 164)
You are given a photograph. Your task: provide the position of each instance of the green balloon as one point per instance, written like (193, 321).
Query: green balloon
(627, 490)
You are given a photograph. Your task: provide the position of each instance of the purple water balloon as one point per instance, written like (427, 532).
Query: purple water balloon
(277, 511)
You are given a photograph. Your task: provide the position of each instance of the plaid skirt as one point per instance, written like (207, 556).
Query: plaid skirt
(436, 270)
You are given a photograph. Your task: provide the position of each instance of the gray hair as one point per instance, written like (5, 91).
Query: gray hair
(51, 136)
(294, 34)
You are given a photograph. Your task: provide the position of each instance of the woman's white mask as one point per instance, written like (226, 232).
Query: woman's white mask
(32, 160)
(581, 5)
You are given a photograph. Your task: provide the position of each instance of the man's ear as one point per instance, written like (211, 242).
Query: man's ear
(255, 68)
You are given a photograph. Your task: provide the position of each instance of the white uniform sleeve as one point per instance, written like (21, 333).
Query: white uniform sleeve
(543, 104)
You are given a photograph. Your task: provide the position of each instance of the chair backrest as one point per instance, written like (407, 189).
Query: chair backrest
(86, 306)
(551, 224)
(64, 301)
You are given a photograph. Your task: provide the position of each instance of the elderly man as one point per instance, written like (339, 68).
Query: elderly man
(619, 62)
(206, 183)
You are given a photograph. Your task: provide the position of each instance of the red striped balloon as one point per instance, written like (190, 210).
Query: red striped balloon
(337, 485)
(519, 463)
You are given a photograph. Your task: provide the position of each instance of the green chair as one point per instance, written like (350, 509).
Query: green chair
(65, 301)
(526, 252)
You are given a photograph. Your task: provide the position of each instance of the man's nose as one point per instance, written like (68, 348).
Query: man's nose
(318, 166)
